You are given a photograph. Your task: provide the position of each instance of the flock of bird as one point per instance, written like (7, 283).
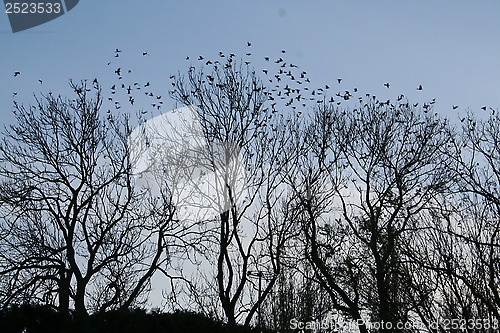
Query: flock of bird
(129, 89)
(287, 85)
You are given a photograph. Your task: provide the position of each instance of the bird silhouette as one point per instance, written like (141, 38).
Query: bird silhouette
(455, 107)
(419, 87)
(17, 73)
(339, 80)
(387, 85)
(249, 44)
(144, 53)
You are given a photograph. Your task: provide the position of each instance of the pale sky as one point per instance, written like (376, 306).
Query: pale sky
(450, 47)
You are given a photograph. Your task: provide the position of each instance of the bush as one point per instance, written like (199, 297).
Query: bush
(41, 319)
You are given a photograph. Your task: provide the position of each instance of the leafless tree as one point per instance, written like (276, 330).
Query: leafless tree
(242, 151)
(363, 180)
(73, 227)
(465, 240)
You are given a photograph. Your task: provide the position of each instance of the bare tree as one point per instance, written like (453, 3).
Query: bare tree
(365, 178)
(72, 225)
(242, 151)
(466, 239)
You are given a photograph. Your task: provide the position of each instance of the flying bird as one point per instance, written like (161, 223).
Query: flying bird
(419, 87)
(144, 53)
(387, 85)
(17, 73)
(249, 44)
(455, 107)
(339, 80)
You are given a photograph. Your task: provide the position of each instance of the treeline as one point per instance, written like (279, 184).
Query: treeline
(41, 319)
(262, 201)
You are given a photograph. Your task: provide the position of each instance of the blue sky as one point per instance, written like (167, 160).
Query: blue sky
(451, 48)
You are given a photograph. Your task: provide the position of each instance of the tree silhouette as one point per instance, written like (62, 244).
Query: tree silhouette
(73, 227)
(243, 149)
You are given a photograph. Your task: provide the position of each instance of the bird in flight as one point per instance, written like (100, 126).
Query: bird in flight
(455, 107)
(249, 44)
(387, 85)
(339, 80)
(16, 73)
(419, 87)
(145, 53)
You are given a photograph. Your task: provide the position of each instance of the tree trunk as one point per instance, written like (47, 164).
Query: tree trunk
(63, 290)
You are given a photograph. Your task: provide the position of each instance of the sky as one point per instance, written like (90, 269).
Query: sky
(450, 47)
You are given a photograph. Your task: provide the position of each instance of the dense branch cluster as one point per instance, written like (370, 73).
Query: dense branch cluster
(374, 212)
